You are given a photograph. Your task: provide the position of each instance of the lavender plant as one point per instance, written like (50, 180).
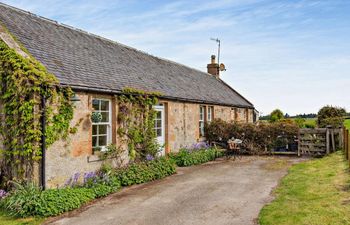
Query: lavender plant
(3, 194)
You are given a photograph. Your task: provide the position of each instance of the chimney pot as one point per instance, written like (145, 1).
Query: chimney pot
(212, 59)
(213, 67)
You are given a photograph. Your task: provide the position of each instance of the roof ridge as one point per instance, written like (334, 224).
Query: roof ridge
(98, 36)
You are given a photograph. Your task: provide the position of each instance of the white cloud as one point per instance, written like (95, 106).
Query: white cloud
(292, 55)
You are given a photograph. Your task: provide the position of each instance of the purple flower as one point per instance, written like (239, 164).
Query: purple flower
(68, 182)
(149, 157)
(200, 145)
(90, 176)
(3, 193)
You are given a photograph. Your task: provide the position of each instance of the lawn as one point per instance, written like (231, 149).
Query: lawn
(316, 192)
(311, 122)
(9, 220)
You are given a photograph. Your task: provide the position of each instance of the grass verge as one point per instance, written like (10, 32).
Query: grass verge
(316, 192)
(10, 220)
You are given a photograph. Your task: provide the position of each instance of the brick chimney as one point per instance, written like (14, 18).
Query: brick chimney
(213, 67)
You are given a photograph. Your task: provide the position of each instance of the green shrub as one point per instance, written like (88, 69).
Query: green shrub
(23, 200)
(256, 137)
(102, 190)
(186, 157)
(30, 200)
(330, 115)
(57, 201)
(142, 172)
(276, 115)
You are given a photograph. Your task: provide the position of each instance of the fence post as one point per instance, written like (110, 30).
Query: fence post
(298, 142)
(341, 138)
(333, 140)
(347, 146)
(327, 142)
(345, 142)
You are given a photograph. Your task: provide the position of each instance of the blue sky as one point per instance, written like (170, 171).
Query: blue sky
(293, 55)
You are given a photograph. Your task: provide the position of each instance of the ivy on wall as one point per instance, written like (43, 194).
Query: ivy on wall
(23, 82)
(136, 122)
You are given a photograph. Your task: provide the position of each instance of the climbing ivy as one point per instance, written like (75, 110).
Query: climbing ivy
(24, 81)
(136, 122)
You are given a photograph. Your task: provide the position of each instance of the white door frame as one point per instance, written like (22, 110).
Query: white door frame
(161, 139)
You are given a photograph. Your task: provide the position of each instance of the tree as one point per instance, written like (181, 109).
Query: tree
(276, 115)
(331, 115)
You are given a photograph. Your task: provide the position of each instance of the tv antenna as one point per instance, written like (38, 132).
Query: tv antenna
(217, 40)
(221, 66)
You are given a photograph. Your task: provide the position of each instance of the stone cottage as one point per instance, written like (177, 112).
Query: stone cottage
(97, 69)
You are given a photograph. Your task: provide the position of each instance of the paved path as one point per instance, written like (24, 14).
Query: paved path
(221, 192)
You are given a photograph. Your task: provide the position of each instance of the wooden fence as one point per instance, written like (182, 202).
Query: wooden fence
(319, 141)
(346, 144)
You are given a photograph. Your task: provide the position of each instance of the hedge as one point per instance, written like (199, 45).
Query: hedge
(257, 138)
(29, 200)
(188, 157)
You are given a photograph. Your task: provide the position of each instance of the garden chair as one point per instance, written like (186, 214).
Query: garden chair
(234, 148)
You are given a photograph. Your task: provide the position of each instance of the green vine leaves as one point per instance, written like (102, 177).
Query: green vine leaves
(23, 82)
(136, 122)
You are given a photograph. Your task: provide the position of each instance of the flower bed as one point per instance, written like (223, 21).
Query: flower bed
(197, 154)
(29, 200)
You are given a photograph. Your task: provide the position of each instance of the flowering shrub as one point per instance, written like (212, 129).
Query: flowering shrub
(198, 146)
(3, 194)
(257, 138)
(194, 156)
(30, 200)
(90, 177)
(149, 157)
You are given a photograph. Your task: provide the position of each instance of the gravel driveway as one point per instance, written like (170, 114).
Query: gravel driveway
(220, 192)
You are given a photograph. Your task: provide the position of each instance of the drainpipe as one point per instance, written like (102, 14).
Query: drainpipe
(43, 140)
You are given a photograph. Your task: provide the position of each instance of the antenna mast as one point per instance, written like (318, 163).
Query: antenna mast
(217, 40)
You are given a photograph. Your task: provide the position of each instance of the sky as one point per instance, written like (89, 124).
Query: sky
(288, 54)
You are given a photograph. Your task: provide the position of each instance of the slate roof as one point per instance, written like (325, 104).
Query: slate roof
(89, 62)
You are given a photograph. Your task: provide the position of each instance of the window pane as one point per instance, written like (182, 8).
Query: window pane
(95, 104)
(159, 115)
(159, 123)
(102, 140)
(94, 141)
(105, 117)
(159, 132)
(102, 129)
(94, 129)
(201, 113)
(104, 105)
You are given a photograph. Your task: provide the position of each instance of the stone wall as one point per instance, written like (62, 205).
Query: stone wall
(75, 155)
(250, 115)
(223, 112)
(183, 125)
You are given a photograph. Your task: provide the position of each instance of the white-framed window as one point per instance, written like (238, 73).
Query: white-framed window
(201, 120)
(210, 114)
(101, 131)
(158, 120)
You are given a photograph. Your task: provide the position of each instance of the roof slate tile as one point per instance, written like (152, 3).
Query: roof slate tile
(78, 58)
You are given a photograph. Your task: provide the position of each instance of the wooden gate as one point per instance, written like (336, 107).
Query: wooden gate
(319, 141)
